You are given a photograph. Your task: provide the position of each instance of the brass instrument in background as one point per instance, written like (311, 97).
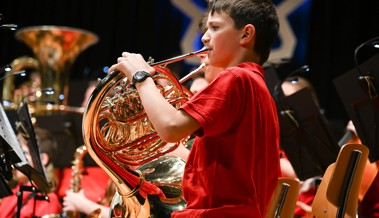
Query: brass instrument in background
(119, 136)
(167, 173)
(75, 183)
(55, 49)
(11, 98)
(77, 174)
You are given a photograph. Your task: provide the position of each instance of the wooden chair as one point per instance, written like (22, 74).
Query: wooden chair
(337, 195)
(283, 201)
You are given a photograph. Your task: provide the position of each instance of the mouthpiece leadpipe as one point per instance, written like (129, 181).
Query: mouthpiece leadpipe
(181, 57)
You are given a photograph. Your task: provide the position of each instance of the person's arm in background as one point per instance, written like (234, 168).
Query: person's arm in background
(181, 151)
(287, 169)
(77, 201)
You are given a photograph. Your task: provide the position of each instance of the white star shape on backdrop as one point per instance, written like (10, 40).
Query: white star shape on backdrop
(195, 14)
(286, 34)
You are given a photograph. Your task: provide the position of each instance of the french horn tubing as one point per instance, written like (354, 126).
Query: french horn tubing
(119, 136)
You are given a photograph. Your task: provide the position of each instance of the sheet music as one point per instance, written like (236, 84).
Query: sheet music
(10, 137)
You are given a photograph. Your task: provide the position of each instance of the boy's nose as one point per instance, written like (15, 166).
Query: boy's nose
(205, 39)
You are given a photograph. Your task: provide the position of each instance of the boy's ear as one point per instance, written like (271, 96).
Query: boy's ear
(248, 34)
(44, 159)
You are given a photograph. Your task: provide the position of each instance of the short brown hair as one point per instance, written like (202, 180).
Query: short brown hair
(260, 13)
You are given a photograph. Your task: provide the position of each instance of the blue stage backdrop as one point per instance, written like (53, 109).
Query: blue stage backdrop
(292, 42)
(169, 29)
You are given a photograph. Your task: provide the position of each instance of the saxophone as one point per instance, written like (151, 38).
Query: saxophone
(77, 173)
(75, 183)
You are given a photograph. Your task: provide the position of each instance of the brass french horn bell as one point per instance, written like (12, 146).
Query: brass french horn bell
(55, 48)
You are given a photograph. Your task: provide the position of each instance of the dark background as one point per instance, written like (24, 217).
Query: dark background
(152, 28)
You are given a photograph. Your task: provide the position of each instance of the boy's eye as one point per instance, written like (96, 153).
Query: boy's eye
(214, 27)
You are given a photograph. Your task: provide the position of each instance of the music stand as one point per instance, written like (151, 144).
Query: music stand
(6, 170)
(361, 102)
(37, 173)
(10, 150)
(305, 136)
(4, 188)
(16, 157)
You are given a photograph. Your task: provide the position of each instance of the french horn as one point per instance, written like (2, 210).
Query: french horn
(119, 136)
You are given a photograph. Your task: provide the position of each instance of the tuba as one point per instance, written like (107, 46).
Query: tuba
(55, 49)
(11, 99)
(119, 136)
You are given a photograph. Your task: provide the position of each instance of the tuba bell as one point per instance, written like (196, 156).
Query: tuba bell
(55, 49)
(119, 136)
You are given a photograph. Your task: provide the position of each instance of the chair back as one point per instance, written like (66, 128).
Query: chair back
(337, 195)
(283, 201)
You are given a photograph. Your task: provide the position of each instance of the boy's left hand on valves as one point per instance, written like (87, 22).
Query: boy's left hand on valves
(130, 63)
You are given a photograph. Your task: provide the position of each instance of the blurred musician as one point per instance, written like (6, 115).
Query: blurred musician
(198, 83)
(77, 201)
(31, 207)
(28, 89)
(95, 189)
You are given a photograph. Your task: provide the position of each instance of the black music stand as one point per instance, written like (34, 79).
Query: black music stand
(359, 96)
(10, 152)
(17, 158)
(24, 126)
(305, 136)
(38, 173)
(5, 170)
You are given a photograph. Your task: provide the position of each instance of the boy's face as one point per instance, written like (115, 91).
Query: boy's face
(223, 39)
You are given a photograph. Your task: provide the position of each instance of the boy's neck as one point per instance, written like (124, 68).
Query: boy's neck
(245, 56)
